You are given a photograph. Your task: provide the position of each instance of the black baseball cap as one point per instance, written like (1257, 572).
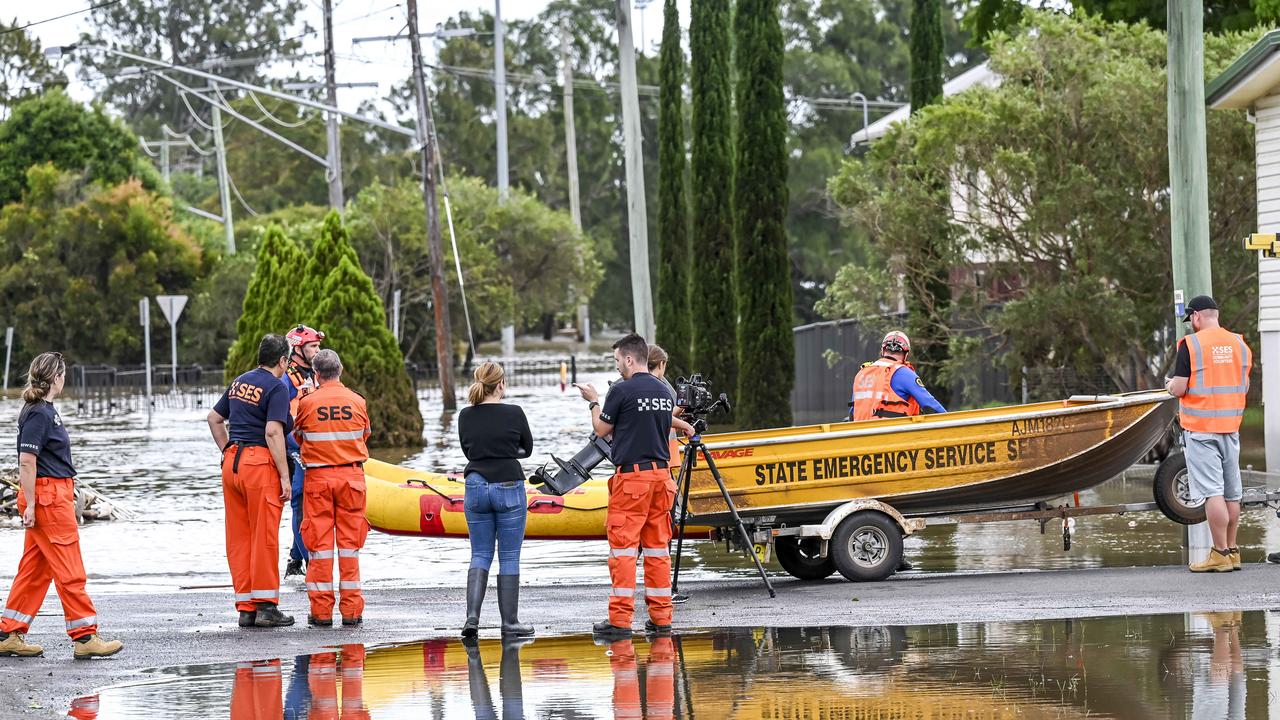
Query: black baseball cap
(1198, 303)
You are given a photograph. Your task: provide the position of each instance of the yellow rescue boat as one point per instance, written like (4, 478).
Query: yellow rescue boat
(401, 501)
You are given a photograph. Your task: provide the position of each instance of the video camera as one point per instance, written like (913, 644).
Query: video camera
(693, 397)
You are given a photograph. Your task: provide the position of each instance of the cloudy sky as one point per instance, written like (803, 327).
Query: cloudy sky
(382, 62)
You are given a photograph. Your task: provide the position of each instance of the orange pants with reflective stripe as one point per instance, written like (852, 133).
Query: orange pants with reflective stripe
(333, 504)
(251, 498)
(322, 681)
(660, 680)
(256, 691)
(51, 552)
(639, 523)
(626, 680)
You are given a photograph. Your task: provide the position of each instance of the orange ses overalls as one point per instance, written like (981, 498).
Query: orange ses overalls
(331, 428)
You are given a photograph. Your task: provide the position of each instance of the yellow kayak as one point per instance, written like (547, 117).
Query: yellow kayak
(401, 501)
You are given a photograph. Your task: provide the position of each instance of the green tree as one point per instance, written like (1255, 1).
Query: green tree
(674, 319)
(373, 365)
(715, 337)
(330, 246)
(75, 259)
(277, 276)
(988, 16)
(766, 359)
(929, 284)
(24, 70)
(233, 38)
(53, 128)
(1063, 179)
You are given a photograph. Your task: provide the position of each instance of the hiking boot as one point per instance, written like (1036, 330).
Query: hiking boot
(1218, 561)
(16, 645)
(270, 616)
(651, 627)
(94, 646)
(247, 617)
(353, 621)
(294, 568)
(608, 629)
(1235, 557)
(314, 621)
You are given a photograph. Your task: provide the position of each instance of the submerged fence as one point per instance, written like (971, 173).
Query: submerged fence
(109, 389)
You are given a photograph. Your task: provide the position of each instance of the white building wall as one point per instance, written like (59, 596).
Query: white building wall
(1267, 129)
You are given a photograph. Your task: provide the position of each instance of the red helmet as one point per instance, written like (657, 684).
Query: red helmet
(896, 341)
(301, 335)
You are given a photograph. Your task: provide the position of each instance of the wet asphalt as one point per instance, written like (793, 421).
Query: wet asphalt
(199, 627)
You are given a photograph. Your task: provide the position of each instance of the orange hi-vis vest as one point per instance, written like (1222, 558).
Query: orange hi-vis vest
(331, 426)
(873, 392)
(303, 380)
(1220, 365)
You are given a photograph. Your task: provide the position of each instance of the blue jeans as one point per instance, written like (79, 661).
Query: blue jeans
(495, 511)
(297, 551)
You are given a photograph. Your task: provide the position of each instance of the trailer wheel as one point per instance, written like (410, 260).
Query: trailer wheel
(1173, 491)
(801, 559)
(867, 545)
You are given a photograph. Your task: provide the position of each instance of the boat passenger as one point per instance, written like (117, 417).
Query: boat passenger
(889, 387)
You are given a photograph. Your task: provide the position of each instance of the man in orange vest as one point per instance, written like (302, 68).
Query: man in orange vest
(332, 427)
(889, 387)
(1211, 379)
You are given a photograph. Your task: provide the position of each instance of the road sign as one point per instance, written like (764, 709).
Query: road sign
(171, 306)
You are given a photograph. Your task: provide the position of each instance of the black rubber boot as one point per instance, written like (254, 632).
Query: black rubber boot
(509, 606)
(247, 618)
(270, 616)
(477, 579)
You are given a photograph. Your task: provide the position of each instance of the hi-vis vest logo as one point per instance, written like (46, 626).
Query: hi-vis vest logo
(246, 392)
(1223, 354)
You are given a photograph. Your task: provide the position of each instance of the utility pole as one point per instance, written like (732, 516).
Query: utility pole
(500, 91)
(637, 212)
(1188, 186)
(164, 160)
(571, 162)
(334, 171)
(426, 138)
(224, 191)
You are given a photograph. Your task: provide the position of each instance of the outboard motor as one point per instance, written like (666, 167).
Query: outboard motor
(575, 472)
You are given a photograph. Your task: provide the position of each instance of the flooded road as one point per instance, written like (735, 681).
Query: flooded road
(168, 475)
(1198, 665)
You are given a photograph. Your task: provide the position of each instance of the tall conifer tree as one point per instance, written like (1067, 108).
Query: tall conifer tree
(673, 317)
(927, 272)
(713, 306)
(277, 276)
(766, 357)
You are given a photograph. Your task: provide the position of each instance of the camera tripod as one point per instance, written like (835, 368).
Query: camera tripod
(692, 449)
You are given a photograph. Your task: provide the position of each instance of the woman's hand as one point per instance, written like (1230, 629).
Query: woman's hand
(29, 517)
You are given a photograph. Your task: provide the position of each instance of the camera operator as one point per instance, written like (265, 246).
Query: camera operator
(638, 414)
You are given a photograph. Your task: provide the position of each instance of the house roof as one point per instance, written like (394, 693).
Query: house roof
(974, 76)
(1253, 75)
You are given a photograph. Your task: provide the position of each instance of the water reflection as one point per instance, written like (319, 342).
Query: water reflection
(1207, 665)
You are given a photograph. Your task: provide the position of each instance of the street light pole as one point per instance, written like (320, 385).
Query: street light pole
(440, 298)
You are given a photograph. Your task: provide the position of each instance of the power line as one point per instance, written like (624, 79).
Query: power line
(91, 8)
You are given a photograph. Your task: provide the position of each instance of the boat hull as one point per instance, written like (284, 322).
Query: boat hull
(984, 459)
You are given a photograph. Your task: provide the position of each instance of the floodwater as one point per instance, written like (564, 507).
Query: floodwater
(1202, 665)
(168, 474)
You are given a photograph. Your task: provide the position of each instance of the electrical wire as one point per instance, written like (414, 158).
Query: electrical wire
(186, 137)
(232, 184)
(91, 8)
(266, 113)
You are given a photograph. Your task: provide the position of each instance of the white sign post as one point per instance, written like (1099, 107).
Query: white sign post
(395, 315)
(171, 306)
(8, 352)
(144, 314)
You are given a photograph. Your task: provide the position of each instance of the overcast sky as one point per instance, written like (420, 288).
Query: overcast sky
(384, 62)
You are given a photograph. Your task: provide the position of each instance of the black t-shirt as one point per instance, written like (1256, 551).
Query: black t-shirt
(494, 437)
(41, 433)
(250, 402)
(1182, 364)
(640, 411)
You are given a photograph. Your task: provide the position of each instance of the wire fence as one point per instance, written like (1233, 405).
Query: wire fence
(110, 389)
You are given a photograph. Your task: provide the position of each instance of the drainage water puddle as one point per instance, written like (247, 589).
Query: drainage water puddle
(1198, 665)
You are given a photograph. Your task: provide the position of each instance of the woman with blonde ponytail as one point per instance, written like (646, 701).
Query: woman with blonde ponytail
(52, 549)
(495, 436)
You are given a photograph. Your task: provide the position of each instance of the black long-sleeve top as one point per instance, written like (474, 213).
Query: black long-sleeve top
(494, 437)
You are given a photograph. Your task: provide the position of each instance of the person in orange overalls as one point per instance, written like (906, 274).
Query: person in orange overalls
(256, 691)
(46, 499)
(333, 425)
(255, 481)
(889, 387)
(638, 414)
